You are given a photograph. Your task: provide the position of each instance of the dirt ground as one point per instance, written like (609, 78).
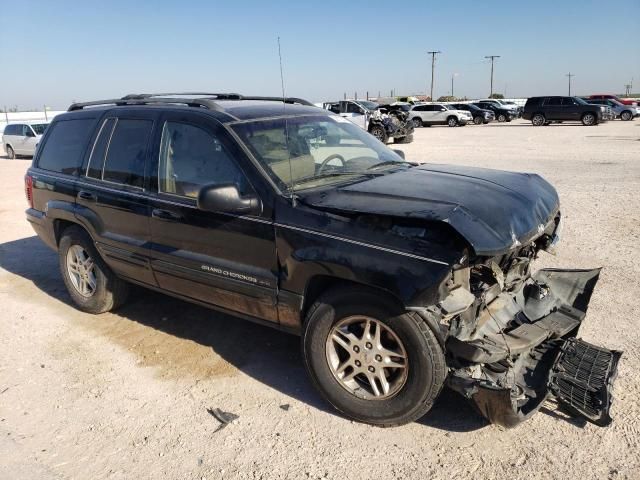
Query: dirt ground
(125, 395)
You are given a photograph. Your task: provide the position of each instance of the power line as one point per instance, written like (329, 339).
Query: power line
(433, 64)
(492, 57)
(570, 75)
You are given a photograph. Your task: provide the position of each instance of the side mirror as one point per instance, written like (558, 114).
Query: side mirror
(400, 153)
(227, 199)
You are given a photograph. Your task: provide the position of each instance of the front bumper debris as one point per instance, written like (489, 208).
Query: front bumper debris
(507, 375)
(582, 379)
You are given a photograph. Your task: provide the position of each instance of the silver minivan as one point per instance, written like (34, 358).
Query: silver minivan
(22, 138)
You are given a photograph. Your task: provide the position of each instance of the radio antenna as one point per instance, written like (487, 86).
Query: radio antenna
(286, 127)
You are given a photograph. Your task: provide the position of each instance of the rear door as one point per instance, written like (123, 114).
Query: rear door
(112, 197)
(222, 259)
(553, 108)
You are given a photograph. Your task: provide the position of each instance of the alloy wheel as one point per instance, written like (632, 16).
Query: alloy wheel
(589, 119)
(81, 270)
(537, 120)
(367, 358)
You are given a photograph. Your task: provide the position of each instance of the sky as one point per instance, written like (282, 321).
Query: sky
(55, 52)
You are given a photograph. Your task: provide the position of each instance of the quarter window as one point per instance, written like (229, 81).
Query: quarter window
(65, 144)
(191, 157)
(127, 151)
(96, 162)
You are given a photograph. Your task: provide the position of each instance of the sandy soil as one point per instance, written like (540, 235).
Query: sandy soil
(125, 395)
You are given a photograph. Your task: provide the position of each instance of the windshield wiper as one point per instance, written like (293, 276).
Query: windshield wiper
(335, 174)
(390, 162)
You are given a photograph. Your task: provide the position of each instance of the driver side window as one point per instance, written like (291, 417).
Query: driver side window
(191, 157)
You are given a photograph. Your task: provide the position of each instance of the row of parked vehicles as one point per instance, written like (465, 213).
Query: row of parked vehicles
(391, 120)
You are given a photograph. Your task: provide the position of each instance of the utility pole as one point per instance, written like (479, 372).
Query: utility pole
(453, 75)
(570, 75)
(492, 57)
(627, 89)
(433, 64)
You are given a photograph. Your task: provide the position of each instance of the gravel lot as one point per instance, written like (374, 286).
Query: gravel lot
(125, 395)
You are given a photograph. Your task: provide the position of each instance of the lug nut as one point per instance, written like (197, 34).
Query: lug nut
(371, 369)
(378, 358)
(368, 345)
(356, 349)
(358, 363)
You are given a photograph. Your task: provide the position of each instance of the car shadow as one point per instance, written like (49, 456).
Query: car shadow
(265, 354)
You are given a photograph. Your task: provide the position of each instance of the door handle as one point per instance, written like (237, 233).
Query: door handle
(84, 195)
(165, 215)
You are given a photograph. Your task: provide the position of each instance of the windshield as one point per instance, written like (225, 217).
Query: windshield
(580, 101)
(39, 128)
(318, 151)
(368, 105)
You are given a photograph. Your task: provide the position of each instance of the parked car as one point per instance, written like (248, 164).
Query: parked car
(399, 277)
(625, 101)
(385, 122)
(620, 110)
(479, 115)
(501, 113)
(438, 114)
(509, 105)
(22, 138)
(544, 110)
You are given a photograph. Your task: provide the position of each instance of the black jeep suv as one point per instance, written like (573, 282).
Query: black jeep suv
(545, 110)
(399, 277)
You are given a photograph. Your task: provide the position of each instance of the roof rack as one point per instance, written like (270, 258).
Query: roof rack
(198, 99)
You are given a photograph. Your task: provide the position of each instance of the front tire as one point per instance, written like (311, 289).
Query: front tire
(626, 115)
(10, 153)
(478, 120)
(379, 132)
(417, 122)
(452, 121)
(93, 287)
(371, 362)
(589, 119)
(502, 118)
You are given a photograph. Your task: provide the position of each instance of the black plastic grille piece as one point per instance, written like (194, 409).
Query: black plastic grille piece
(582, 379)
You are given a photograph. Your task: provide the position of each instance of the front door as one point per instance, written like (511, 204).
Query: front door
(222, 259)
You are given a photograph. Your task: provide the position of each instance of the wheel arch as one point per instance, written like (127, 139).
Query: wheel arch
(319, 285)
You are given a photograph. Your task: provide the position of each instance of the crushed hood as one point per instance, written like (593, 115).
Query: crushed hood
(493, 210)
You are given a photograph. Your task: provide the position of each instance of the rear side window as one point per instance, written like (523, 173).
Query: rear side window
(554, 101)
(127, 152)
(62, 152)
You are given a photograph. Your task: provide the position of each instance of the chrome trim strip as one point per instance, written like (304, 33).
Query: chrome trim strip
(356, 242)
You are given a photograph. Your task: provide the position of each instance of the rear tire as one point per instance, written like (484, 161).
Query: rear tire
(10, 153)
(538, 120)
(626, 115)
(410, 391)
(96, 289)
(589, 119)
(452, 121)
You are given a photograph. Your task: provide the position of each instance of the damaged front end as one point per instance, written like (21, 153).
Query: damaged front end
(510, 337)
